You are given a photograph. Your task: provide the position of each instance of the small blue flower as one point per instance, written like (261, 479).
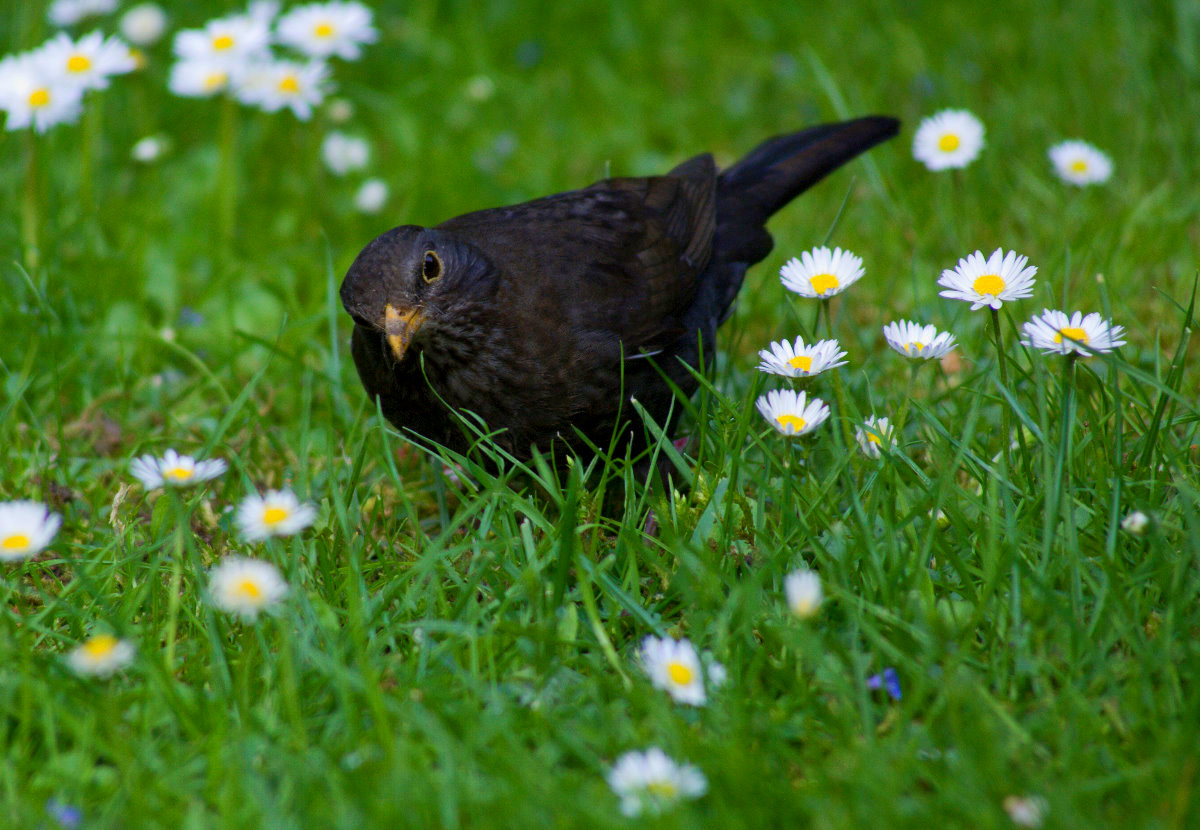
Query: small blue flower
(64, 814)
(888, 680)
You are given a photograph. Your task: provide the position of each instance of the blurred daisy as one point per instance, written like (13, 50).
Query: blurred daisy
(88, 62)
(198, 78)
(798, 360)
(339, 110)
(150, 149)
(1026, 810)
(229, 43)
(999, 279)
(1054, 331)
(263, 11)
(278, 513)
(246, 586)
(916, 341)
(821, 272)
(321, 30)
(1135, 523)
(803, 591)
(144, 24)
(371, 196)
(874, 435)
(101, 655)
(343, 153)
(174, 470)
(674, 665)
(1079, 163)
(273, 85)
(792, 413)
(32, 95)
(948, 139)
(650, 782)
(70, 12)
(26, 527)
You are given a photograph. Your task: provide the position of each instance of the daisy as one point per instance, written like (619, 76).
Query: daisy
(803, 591)
(229, 43)
(150, 149)
(1135, 523)
(1055, 332)
(175, 470)
(88, 62)
(916, 341)
(1079, 163)
(651, 782)
(371, 196)
(1026, 811)
(273, 85)
(792, 413)
(873, 435)
(144, 24)
(343, 153)
(70, 12)
(26, 527)
(246, 586)
(278, 513)
(821, 272)
(101, 655)
(674, 665)
(321, 30)
(948, 139)
(198, 78)
(798, 360)
(1000, 278)
(31, 94)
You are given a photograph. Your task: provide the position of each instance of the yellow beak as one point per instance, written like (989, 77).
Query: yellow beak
(400, 328)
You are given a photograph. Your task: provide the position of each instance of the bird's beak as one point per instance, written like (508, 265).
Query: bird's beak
(400, 326)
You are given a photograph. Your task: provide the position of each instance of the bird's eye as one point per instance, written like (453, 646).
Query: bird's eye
(431, 268)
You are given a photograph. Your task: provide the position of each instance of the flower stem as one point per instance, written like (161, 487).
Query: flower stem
(1005, 414)
(227, 175)
(30, 220)
(912, 385)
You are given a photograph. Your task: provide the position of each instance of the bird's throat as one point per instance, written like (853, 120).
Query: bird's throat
(400, 326)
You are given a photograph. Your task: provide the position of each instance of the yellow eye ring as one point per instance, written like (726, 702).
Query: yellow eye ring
(431, 267)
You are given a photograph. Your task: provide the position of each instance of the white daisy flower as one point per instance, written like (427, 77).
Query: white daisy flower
(26, 528)
(277, 513)
(821, 272)
(916, 341)
(674, 665)
(150, 149)
(273, 85)
(798, 360)
(88, 62)
(371, 196)
(229, 43)
(874, 435)
(322, 30)
(650, 782)
(198, 78)
(803, 591)
(948, 139)
(263, 11)
(1079, 163)
(246, 586)
(343, 153)
(144, 24)
(175, 470)
(69, 12)
(999, 279)
(1135, 523)
(1027, 810)
(1054, 331)
(101, 655)
(32, 95)
(792, 413)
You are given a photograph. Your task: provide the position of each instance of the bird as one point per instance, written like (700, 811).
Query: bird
(535, 324)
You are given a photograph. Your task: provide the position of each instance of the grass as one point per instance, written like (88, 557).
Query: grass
(463, 653)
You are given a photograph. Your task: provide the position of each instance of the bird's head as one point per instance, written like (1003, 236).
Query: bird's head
(413, 281)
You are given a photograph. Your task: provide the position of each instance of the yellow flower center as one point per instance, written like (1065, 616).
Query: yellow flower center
(39, 98)
(222, 42)
(289, 84)
(78, 63)
(802, 362)
(1071, 332)
(1079, 166)
(662, 789)
(948, 143)
(249, 589)
(989, 284)
(680, 674)
(795, 421)
(100, 646)
(215, 80)
(17, 541)
(914, 346)
(274, 515)
(873, 438)
(823, 282)
(804, 607)
(323, 30)
(179, 473)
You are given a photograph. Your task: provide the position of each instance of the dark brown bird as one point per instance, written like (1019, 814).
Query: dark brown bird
(544, 318)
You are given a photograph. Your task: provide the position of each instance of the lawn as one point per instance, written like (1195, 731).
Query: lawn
(460, 646)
